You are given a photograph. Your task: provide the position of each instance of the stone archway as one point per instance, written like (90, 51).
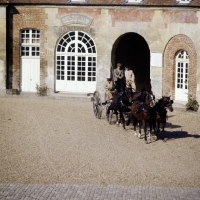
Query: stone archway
(132, 50)
(177, 43)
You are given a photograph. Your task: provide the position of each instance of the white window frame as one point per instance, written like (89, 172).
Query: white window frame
(90, 52)
(27, 42)
(183, 1)
(133, 1)
(182, 75)
(78, 1)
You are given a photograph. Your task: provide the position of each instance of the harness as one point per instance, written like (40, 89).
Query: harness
(140, 108)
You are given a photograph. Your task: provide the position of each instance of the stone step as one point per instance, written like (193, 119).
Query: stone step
(179, 105)
(66, 96)
(72, 96)
(12, 91)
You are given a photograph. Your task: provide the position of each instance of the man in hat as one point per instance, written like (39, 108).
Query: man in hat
(130, 78)
(119, 78)
(109, 88)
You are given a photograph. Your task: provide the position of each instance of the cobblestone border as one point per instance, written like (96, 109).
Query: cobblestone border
(87, 192)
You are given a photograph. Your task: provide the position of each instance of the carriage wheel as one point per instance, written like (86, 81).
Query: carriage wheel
(97, 106)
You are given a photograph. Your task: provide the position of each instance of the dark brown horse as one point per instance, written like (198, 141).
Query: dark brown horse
(161, 113)
(119, 104)
(141, 111)
(138, 96)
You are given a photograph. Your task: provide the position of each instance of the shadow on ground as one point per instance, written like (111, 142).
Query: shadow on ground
(171, 135)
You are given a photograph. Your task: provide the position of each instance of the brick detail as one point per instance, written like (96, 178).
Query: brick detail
(131, 15)
(92, 12)
(33, 18)
(177, 43)
(180, 16)
(102, 2)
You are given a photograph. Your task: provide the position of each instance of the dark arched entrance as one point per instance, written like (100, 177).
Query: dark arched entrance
(131, 49)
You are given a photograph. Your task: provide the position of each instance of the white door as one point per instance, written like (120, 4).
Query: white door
(76, 63)
(182, 70)
(30, 74)
(30, 60)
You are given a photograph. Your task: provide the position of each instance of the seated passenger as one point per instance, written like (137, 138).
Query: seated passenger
(109, 88)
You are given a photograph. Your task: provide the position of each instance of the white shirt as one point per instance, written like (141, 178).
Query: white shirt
(129, 75)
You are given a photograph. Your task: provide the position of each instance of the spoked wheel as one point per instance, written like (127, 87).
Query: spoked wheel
(97, 106)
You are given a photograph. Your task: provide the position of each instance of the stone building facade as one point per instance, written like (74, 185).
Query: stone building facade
(73, 46)
(2, 49)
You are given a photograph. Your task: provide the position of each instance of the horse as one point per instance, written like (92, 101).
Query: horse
(120, 103)
(141, 110)
(161, 113)
(140, 96)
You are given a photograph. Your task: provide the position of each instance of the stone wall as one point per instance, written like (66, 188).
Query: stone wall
(156, 25)
(28, 18)
(2, 49)
(175, 44)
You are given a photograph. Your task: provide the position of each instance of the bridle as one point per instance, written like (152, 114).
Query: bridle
(151, 99)
(167, 102)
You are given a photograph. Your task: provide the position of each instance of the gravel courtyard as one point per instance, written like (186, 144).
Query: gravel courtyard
(49, 141)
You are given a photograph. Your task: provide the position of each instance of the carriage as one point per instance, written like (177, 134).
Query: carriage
(98, 104)
(144, 110)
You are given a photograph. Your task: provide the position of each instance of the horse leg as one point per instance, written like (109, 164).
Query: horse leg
(154, 128)
(110, 117)
(117, 120)
(129, 120)
(152, 125)
(134, 124)
(145, 132)
(163, 130)
(122, 119)
(158, 129)
(135, 129)
(139, 134)
(108, 113)
(150, 130)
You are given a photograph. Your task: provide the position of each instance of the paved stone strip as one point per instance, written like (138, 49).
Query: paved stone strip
(94, 192)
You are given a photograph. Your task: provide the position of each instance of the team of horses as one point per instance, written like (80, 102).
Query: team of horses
(144, 111)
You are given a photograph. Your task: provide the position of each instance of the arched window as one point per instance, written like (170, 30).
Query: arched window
(182, 71)
(76, 63)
